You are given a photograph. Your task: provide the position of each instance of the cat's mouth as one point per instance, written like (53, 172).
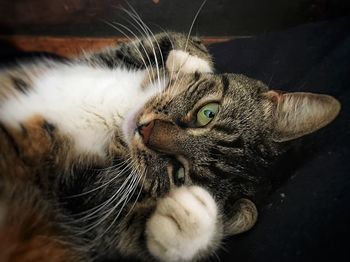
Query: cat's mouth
(160, 166)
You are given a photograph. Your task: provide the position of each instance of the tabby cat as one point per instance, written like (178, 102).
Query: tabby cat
(138, 151)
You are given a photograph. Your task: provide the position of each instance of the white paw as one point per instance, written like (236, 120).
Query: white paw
(182, 61)
(183, 225)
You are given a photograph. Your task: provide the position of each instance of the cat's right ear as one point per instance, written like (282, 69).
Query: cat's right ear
(298, 114)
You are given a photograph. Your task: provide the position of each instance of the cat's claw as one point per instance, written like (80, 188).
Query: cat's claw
(183, 226)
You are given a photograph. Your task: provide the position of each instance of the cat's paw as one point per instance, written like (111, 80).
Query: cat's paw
(184, 225)
(182, 61)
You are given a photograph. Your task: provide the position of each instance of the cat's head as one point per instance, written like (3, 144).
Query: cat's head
(220, 131)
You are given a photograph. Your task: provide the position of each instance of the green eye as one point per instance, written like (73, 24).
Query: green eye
(206, 114)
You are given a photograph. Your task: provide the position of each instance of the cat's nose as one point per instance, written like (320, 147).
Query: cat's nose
(145, 131)
(163, 136)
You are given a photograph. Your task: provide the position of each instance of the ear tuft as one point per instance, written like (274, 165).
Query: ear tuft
(299, 114)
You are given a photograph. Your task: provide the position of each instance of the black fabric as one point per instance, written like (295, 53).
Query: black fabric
(307, 218)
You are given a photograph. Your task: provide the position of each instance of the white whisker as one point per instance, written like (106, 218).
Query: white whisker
(106, 183)
(138, 20)
(114, 25)
(193, 21)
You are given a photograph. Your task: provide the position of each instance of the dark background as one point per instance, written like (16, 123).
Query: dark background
(307, 217)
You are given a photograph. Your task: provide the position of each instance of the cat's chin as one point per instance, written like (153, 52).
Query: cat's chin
(129, 127)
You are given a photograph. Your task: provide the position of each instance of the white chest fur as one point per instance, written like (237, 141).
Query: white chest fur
(83, 102)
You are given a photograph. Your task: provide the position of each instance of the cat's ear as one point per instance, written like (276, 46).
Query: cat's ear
(298, 114)
(245, 217)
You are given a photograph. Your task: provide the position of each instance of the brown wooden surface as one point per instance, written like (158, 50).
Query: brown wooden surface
(73, 46)
(218, 17)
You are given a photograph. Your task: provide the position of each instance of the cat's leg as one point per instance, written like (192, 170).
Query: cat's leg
(162, 50)
(185, 226)
(179, 60)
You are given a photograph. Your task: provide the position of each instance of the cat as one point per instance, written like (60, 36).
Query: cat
(138, 151)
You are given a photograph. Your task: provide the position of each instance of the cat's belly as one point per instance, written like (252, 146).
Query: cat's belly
(86, 104)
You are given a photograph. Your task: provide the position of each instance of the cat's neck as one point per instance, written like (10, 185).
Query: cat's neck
(85, 103)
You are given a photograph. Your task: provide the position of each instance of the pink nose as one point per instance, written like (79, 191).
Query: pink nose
(146, 131)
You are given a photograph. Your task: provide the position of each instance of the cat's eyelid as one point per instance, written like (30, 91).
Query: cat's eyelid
(191, 116)
(202, 102)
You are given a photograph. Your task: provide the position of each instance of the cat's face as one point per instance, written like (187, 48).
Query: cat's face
(214, 130)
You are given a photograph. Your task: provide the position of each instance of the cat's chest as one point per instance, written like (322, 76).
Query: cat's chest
(85, 103)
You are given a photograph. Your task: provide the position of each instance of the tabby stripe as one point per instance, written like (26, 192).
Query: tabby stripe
(106, 61)
(161, 52)
(20, 85)
(237, 143)
(197, 75)
(128, 60)
(189, 88)
(121, 141)
(10, 139)
(219, 172)
(225, 83)
(165, 46)
(199, 46)
(224, 129)
(200, 178)
(49, 128)
(24, 130)
(193, 89)
(231, 159)
(206, 90)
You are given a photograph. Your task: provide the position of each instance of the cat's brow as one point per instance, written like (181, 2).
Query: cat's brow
(193, 89)
(225, 84)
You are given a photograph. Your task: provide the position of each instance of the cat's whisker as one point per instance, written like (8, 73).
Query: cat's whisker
(102, 205)
(115, 25)
(107, 214)
(123, 195)
(173, 62)
(138, 195)
(104, 184)
(124, 200)
(136, 17)
(188, 36)
(145, 35)
(143, 25)
(214, 256)
(128, 196)
(150, 64)
(111, 167)
(193, 22)
(177, 82)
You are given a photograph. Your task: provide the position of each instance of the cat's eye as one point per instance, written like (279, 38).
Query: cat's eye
(206, 114)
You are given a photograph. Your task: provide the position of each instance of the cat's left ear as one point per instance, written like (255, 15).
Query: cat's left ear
(298, 114)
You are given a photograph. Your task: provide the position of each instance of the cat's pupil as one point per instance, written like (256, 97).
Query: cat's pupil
(208, 113)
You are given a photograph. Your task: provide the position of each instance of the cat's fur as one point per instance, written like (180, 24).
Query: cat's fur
(80, 181)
